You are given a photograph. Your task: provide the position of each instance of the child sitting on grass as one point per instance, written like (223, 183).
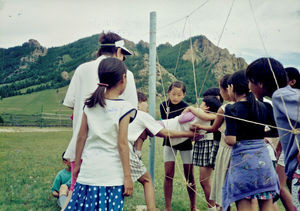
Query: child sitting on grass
(62, 181)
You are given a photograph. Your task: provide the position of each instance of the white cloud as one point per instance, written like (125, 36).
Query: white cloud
(57, 22)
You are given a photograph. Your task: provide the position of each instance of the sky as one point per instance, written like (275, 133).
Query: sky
(274, 24)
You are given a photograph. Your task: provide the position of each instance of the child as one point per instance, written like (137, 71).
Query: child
(224, 151)
(251, 174)
(62, 181)
(205, 150)
(104, 178)
(138, 130)
(261, 79)
(169, 109)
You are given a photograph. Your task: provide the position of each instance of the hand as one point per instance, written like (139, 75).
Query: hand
(128, 186)
(195, 127)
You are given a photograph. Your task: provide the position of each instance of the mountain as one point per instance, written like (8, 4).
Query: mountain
(32, 67)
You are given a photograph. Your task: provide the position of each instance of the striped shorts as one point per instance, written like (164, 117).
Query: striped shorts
(137, 167)
(205, 153)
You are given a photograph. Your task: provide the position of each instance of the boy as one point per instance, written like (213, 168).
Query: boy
(61, 182)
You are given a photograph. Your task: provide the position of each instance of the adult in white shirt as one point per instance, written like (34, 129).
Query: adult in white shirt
(84, 83)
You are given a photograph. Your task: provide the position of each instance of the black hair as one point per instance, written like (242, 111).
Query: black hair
(108, 38)
(213, 91)
(141, 97)
(110, 72)
(212, 102)
(259, 71)
(240, 87)
(293, 74)
(62, 157)
(177, 84)
(224, 81)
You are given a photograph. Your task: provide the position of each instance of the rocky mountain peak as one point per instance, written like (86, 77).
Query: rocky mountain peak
(32, 43)
(221, 61)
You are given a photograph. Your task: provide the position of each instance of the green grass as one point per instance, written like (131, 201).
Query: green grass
(29, 163)
(48, 101)
(31, 160)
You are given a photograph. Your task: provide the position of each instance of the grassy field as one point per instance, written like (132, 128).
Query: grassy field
(31, 160)
(48, 101)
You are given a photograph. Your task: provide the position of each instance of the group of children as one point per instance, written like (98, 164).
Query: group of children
(110, 127)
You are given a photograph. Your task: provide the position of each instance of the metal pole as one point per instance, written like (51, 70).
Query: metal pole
(152, 88)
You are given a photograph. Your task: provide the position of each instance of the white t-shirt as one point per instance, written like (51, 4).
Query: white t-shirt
(83, 84)
(101, 164)
(141, 122)
(173, 124)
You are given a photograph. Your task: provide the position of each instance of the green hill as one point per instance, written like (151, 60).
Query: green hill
(28, 69)
(47, 101)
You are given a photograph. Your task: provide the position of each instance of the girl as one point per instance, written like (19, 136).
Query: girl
(169, 109)
(224, 151)
(251, 174)
(104, 178)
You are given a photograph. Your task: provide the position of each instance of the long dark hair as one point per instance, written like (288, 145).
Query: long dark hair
(240, 87)
(110, 72)
(259, 71)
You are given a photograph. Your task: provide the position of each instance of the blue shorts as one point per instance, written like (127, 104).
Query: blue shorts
(105, 198)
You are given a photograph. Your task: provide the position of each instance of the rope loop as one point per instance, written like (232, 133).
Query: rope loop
(296, 131)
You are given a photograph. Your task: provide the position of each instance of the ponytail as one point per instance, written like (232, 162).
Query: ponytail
(110, 72)
(240, 84)
(97, 97)
(255, 111)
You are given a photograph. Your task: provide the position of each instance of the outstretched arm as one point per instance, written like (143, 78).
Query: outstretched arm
(214, 127)
(200, 113)
(175, 134)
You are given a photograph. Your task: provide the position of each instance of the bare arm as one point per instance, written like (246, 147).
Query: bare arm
(214, 127)
(175, 134)
(81, 139)
(124, 154)
(200, 113)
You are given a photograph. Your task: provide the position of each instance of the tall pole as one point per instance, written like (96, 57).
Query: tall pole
(152, 88)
